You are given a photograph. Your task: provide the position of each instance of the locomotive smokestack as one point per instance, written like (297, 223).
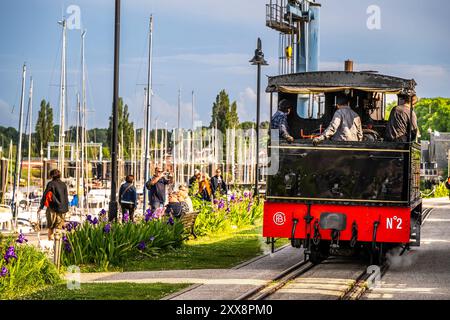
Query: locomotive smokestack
(349, 65)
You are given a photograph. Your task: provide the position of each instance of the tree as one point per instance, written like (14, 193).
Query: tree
(125, 130)
(433, 114)
(223, 115)
(44, 126)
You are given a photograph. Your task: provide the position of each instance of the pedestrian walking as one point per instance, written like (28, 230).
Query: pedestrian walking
(56, 200)
(128, 197)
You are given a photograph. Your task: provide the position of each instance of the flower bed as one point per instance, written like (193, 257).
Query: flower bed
(23, 268)
(98, 242)
(235, 211)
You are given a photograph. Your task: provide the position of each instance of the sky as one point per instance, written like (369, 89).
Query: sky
(204, 46)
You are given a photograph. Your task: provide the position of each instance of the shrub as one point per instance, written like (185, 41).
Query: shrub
(237, 211)
(440, 191)
(23, 269)
(103, 244)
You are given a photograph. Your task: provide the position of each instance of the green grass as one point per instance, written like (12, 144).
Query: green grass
(108, 291)
(224, 250)
(210, 252)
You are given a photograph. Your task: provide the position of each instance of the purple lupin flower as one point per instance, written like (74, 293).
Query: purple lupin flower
(107, 228)
(9, 254)
(148, 216)
(102, 212)
(67, 247)
(141, 246)
(95, 221)
(221, 204)
(171, 222)
(4, 272)
(21, 239)
(68, 226)
(249, 207)
(126, 217)
(215, 201)
(233, 197)
(89, 218)
(246, 194)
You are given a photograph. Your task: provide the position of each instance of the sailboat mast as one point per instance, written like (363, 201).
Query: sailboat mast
(148, 111)
(30, 113)
(77, 149)
(83, 201)
(19, 149)
(62, 101)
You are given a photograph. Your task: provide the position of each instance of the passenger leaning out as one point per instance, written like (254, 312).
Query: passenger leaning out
(346, 123)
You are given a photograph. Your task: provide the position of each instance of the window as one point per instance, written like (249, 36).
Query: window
(310, 106)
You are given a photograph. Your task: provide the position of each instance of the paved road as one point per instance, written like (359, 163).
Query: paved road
(423, 273)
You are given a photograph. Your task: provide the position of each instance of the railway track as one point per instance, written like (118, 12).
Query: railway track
(362, 284)
(262, 292)
(425, 214)
(354, 290)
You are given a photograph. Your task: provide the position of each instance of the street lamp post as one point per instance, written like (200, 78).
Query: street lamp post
(259, 61)
(113, 200)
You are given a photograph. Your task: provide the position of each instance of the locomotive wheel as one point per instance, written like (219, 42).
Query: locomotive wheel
(319, 253)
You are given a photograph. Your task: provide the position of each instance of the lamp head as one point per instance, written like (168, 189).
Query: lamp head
(258, 59)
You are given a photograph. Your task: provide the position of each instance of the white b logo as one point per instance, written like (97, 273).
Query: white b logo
(279, 218)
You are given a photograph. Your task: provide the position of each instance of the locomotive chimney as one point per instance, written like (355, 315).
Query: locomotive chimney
(349, 66)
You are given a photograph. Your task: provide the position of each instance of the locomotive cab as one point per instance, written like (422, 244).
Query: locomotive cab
(341, 197)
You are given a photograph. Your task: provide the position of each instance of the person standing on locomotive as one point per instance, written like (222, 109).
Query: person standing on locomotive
(346, 123)
(279, 120)
(401, 119)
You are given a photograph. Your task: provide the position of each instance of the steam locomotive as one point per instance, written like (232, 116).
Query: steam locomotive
(342, 197)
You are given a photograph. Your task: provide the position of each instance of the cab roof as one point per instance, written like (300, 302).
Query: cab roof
(333, 81)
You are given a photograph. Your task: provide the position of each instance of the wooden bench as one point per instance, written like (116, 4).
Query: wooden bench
(188, 221)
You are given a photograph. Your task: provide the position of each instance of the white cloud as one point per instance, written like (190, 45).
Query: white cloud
(247, 105)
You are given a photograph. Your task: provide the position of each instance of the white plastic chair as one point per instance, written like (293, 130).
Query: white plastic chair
(6, 217)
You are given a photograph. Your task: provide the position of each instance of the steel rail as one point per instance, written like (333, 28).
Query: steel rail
(278, 282)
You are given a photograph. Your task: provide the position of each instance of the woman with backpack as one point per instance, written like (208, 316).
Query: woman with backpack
(128, 197)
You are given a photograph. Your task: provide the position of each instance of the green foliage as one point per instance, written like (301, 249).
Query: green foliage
(109, 291)
(125, 130)
(44, 126)
(222, 114)
(31, 270)
(389, 108)
(433, 114)
(224, 215)
(6, 135)
(440, 191)
(91, 244)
